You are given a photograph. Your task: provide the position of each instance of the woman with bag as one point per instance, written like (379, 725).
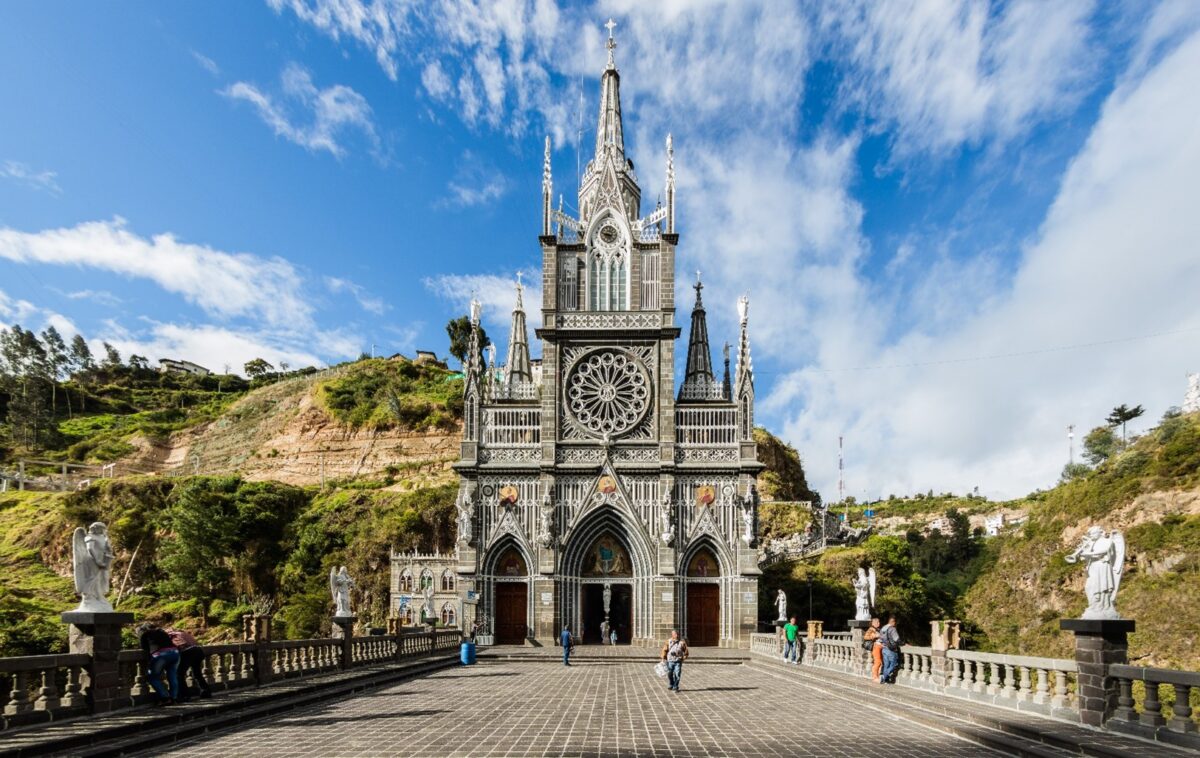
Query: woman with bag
(674, 653)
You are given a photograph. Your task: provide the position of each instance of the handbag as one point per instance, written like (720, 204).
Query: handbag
(660, 668)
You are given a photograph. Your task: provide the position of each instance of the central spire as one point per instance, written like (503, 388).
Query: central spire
(609, 131)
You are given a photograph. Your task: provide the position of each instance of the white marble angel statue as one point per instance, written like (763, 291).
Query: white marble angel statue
(1104, 556)
(339, 586)
(864, 588)
(92, 557)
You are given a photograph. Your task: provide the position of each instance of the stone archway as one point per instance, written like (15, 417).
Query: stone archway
(606, 548)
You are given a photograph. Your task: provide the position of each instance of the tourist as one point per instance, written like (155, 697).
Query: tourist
(568, 642)
(675, 652)
(191, 658)
(891, 651)
(163, 658)
(873, 642)
(791, 642)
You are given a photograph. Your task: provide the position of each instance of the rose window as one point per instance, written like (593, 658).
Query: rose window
(608, 392)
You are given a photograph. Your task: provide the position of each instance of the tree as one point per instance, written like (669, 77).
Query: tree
(1099, 445)
(459, 330)
(112, 358)
(1122, 415)
(257, 367)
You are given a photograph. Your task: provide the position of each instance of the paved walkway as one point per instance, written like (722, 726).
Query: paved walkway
(502, 708)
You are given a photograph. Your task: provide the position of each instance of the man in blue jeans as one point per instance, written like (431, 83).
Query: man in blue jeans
(890, 638)
(567, 643)
(675, 652)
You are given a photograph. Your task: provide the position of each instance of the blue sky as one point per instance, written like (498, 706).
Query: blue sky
(962, 226)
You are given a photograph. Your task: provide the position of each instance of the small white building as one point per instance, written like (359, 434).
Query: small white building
(414, 573)
(173, 366)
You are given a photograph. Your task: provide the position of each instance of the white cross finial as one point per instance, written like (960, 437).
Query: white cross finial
(610, 26)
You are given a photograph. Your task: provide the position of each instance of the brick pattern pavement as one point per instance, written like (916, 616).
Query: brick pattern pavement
(596, 709)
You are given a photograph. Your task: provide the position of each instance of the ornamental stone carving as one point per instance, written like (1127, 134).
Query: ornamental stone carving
(608, 392)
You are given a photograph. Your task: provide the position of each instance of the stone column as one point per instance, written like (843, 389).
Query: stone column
(861, 657)
(816, 629)
(99, 635)
(345, 625)
(1099, 643)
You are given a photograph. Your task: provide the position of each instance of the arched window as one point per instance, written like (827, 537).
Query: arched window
(406, 581)
(448, 581)
(426, 579)
(448, 618)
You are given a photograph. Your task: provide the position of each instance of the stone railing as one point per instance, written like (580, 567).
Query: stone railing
(1141, 705)
(41, 688)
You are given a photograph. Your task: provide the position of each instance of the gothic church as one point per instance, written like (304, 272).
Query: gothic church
(592, 495)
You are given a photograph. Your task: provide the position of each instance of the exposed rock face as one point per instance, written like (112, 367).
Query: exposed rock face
(280, 433)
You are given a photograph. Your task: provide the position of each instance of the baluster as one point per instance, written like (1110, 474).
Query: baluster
(1125, 710)
(47, 699)
(18, 699)
(1042, 693)
(1025, 688)
(1152, 707)
(73, 692)
(1182, 720)
(1061, 696)
(994, 680)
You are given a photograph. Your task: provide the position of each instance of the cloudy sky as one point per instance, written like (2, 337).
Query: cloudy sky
(962, 225)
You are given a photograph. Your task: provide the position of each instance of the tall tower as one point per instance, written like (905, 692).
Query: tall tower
(595, 497)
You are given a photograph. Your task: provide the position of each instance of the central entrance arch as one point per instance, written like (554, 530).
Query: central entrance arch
(605, 578)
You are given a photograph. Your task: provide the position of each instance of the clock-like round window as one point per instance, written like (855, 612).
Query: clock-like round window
(608, 392)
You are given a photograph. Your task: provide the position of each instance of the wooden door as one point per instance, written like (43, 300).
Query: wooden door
(703, 615)
(511, 601)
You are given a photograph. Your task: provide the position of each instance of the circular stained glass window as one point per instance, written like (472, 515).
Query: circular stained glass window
(608, 392)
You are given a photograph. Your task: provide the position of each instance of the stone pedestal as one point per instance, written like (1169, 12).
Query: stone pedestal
(863, 657)
(345, 625)
(1099, 643)
(99, 635)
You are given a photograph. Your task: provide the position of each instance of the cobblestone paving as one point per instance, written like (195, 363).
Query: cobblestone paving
(596, 709)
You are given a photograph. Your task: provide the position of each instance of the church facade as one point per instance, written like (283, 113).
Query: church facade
(593, 494)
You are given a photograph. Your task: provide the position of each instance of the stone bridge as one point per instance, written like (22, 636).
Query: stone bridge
(407, 694)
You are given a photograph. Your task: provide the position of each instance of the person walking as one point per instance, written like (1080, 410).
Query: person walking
(791, 642)
(162, 658)
(873, 641)
(191, 659)
(567, 642)
(890, 638)
(675, 652)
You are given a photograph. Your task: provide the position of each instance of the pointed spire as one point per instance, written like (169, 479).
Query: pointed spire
(670, 185)
(609, 130)
(699, 377)
(547, 189)
(518, 370)
(744, 384)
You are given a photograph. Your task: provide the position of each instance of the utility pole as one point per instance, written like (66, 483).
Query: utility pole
(1071, 444)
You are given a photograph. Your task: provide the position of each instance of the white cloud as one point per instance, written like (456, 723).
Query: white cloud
(365, 299)
(944, 73)
(208, 64)
(22, 173)
(331, 111)
(496, 293)
(221, 283)
(1114, 259)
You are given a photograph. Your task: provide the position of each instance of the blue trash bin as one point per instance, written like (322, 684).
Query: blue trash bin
(467, 653)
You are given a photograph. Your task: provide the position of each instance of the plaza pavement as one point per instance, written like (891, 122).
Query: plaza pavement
(595, 708)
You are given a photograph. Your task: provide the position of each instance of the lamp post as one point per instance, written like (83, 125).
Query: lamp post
(810, 616)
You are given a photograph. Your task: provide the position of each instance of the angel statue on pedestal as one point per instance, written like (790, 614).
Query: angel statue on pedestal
(864, 588)
(339, 586)
(1104, 555)
(92, 558)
